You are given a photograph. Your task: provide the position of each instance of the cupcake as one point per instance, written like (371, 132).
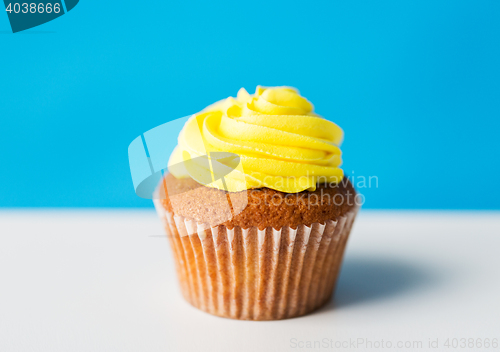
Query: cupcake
(256, 208)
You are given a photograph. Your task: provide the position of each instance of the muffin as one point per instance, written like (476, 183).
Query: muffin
(256, 208)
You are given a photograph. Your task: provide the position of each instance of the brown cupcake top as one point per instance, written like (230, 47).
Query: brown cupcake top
(262, 207)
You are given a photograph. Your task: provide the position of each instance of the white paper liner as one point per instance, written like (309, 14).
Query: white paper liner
(257, 274)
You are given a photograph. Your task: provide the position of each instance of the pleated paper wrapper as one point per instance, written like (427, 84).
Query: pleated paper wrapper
(254, 274)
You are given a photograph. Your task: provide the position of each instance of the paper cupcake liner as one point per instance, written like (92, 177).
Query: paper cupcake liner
(254, 274)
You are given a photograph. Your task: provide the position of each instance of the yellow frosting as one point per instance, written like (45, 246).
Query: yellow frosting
(269, 139)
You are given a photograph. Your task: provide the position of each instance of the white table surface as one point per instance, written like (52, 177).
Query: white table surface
(101, 280)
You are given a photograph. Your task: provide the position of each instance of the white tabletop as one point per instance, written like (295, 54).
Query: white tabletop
(104, 281)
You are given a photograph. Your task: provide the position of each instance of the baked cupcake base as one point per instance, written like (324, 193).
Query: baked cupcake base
(252, 274)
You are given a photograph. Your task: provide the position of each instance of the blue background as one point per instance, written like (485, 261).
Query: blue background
(414, 84)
